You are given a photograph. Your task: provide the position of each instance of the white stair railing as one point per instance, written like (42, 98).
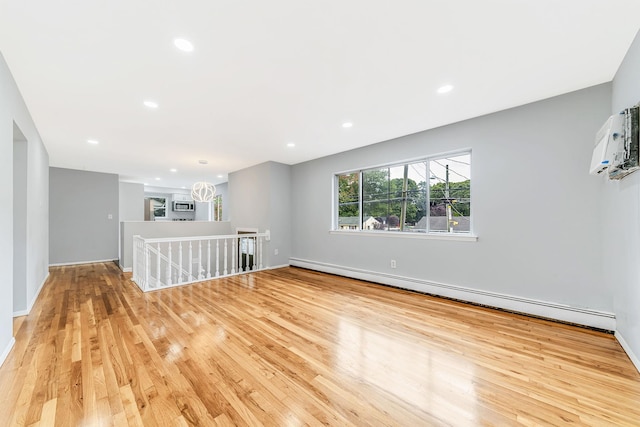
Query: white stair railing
(155, 265)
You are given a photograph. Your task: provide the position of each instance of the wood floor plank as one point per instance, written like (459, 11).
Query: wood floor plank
(296, 347)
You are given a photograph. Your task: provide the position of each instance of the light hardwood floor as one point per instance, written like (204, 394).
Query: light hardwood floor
(291, 347)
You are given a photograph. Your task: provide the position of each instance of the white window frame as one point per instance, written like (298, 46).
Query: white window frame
(429, 234)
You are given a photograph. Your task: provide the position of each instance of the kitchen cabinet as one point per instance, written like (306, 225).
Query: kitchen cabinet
(181, 197)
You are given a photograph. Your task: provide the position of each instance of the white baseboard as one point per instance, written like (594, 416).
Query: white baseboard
(35, 297)
(7, 350)
(123, 268)
(628, 350)
(33, 300)
(61, 264)
(550, 310)
(277, 266)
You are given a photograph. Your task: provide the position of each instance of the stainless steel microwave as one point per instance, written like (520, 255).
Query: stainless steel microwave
(183, 206)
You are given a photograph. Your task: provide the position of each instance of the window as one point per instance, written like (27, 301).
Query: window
(349, 201)
(217, 208)
(158, 207)
(429, 195)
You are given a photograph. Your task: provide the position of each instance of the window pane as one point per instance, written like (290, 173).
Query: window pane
(388, 199)
(416, 204)
(381, 198)
(449, 194)
(349, 201)
(159, 206)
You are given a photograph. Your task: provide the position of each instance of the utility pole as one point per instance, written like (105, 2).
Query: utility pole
(403, 210)
(448, 200)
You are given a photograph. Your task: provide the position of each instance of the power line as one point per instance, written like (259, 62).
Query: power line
(458, 161)
(451, 170)
(413, 166)
(436, 177)
(444, 195)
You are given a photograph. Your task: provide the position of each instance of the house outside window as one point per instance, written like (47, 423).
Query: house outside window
(431, 195)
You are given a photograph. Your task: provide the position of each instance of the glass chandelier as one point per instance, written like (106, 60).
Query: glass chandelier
(203, 191)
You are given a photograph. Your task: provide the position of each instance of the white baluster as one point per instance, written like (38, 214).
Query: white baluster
(248, 255)
(180, 262)
(233, 254)
(260, 252)
(158, 282)
(200, 276)
(190, 261)
(217, 257)
(136, 248)
(147, 267)
(240, 254)
(255, 253)
(169, 281)
(225, 259)
(208, 259)
(245, 255)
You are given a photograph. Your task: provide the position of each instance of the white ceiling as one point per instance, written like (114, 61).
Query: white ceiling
(267, 73)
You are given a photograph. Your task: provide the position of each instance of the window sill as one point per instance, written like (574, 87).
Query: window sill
(459, 237)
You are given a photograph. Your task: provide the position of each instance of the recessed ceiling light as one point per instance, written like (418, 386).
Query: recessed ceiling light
(203, 162)
(173, 170)
(220, 176)
(146, 183)
(183, 44)
(183, 187)
(150, 104)
(157, 179)
(291, 145)
(347, 124)
(92, 141)
(445, 89)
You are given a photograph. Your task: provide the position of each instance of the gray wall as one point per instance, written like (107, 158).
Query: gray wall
(620, 208)
(535, 208)
(249, 191)
(13, 110)
(130, 206)
(20, 167)
(259, 197)
(280, 214)
(83, 216)
(130, 201)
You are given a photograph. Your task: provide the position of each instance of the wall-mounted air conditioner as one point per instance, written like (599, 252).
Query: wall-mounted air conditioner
(617, 150)
(607, 141)
(627, 157)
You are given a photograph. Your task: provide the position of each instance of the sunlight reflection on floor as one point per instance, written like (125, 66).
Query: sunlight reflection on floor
(424, 377)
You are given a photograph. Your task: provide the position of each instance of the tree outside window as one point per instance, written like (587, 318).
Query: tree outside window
(349, 201)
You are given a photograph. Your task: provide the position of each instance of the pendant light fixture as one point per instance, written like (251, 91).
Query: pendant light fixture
(203, 191)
